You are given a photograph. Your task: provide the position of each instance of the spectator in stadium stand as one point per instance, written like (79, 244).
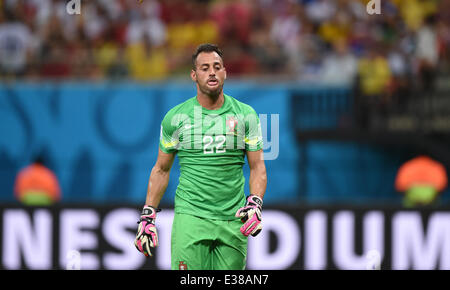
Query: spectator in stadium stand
(414, 12)
(107, 51)
(37, 185)
(234, 20)
(239, 61)
(55, 64)
(53, 59)
(338, 27)
(300, 35)
(267, 56)
(374, 76)
(118, 68)
(146, 61)
(15, 44)
(421, 180)
(340, 66)
(320, 10)
(427, 53)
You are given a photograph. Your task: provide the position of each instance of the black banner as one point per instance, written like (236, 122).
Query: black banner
(347, 238)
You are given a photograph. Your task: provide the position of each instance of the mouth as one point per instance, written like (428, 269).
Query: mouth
(212, 82)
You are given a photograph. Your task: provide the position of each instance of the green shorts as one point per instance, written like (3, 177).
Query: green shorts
(205, 244)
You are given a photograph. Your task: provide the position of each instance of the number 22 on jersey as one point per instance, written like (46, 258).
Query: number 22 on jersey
(211, 144)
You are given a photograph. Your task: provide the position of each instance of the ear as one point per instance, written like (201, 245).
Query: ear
(225, 73)
(193, 75)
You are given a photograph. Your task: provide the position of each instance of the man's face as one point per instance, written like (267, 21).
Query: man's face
(209, 73)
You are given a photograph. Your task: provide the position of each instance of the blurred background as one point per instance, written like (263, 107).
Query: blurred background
(356, 105)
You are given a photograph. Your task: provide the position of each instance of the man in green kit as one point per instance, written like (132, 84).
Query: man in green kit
(211, 133)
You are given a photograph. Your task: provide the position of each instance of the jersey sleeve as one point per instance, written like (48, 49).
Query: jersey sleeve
(253, 134)
(168, 139)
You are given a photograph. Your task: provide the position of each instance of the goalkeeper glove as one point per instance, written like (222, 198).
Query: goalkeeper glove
(250, 215)
(147, 237)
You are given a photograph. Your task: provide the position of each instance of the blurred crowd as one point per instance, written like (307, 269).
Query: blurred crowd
(328, 41)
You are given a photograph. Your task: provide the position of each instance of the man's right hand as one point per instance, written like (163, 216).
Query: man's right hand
(147, 237)
(250, 215)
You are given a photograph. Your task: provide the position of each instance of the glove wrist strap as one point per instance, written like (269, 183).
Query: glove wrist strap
(255, 199)
(149, 210)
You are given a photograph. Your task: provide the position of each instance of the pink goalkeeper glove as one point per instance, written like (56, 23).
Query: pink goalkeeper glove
(147, 237)
(250, 215)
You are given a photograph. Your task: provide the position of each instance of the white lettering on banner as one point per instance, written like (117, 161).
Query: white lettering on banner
(315, 240)
(27, 239)
(115, 230)
(344, 240)
(412, 250)
(164, 226)
(74, 236)
(287, 232)
(30, 237)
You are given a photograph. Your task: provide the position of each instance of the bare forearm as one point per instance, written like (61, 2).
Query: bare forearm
(258, 181)
(159, 179)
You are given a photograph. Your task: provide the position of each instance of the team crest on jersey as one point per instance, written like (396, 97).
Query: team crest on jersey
(231, 125)
(182, 266)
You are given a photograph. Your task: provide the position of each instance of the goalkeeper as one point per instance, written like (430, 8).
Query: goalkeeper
(211, 133)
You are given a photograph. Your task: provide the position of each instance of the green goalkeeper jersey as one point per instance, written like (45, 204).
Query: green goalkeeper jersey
(211, 146)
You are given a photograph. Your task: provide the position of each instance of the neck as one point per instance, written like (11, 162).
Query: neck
(210, 102)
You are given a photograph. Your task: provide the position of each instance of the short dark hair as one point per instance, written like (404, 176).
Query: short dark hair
(206, 47)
